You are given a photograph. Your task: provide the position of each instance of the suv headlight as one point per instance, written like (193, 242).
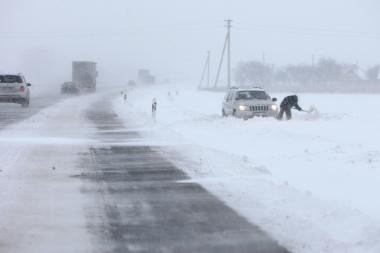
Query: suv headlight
(274, 107)
(243, 107)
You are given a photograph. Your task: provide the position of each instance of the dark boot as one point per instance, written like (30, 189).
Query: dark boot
(280, 114)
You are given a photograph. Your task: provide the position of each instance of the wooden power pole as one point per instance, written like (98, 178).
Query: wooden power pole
(227, 45)
(206, 70)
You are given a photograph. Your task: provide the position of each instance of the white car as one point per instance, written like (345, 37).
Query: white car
(14, 89)
(249, 102)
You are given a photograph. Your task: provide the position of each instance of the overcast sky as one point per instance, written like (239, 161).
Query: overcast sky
(41, 37)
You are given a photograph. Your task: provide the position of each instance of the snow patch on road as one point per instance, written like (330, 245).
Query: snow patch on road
(41, 208)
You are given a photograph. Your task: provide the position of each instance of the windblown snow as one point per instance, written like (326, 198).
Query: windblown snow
(310, 182)
(41, 207)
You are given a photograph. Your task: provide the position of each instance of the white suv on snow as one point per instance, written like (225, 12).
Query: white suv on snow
(14, 89)
(249, 102)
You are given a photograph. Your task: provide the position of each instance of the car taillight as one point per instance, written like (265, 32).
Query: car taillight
(21, 89)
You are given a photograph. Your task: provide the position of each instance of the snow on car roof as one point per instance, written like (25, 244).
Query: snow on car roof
(10, 74)
(247, 88)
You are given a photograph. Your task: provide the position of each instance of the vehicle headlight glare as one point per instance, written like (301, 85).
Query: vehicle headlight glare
(243, 108)
(274, 107)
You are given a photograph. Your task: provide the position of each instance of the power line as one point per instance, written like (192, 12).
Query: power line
(122, 31)
(319, 32)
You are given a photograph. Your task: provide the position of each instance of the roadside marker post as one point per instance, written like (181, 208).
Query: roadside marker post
(154, 108)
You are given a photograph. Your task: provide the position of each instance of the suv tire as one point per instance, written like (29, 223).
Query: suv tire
(26, 102)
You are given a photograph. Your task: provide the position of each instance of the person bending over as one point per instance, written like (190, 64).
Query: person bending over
(286, 105)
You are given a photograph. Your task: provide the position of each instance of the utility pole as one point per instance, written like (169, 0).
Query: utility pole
(313, 74)
(229, 21)
(206, 68)
(227, 45)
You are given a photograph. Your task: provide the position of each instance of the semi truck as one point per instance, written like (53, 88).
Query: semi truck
(84, 76)
(145, 77)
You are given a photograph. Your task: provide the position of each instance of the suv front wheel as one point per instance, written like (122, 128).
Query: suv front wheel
(26, 102)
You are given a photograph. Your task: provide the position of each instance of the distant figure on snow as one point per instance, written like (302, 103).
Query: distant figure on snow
(286, 105)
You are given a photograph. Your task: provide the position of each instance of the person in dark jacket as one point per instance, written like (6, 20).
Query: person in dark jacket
(286, 105)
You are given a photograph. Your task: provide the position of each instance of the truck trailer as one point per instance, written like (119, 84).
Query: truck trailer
(84, 75)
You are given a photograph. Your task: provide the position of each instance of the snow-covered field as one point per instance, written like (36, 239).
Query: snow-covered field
(310, 182)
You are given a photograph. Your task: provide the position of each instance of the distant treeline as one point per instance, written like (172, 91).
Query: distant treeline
(326, 75)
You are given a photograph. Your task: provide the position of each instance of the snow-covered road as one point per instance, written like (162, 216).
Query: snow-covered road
(73, 179)
(41, 207)
(310, 182)
(68, 174)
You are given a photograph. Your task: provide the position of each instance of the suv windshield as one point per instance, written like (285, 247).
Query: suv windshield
(10, 79)
(252, 94)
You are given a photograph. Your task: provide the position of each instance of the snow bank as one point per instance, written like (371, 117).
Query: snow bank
(309, 182)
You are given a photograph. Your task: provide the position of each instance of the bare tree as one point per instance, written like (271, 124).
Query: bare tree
(252, 73)
(328, 70)
(372, 73)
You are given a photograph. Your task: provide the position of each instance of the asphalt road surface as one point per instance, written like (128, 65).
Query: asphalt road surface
(12, 113)
(142, 204)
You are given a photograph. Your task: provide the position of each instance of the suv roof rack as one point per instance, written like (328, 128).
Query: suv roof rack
(249, 88)
(246, 88)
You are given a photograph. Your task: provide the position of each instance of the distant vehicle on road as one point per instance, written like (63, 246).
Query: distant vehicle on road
(84, 76)
(69, 88)
(14, 89)
(145, 77)
(132, 83)
(249, 102)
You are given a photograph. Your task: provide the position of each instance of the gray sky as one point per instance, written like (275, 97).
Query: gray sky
(41, 37)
